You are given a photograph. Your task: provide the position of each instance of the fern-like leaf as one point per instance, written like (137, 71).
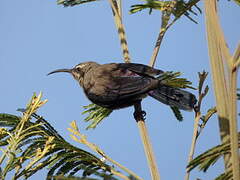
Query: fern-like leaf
(172, 79)
(177, 8)
(30, 144)
(95, 114)
(211, 156)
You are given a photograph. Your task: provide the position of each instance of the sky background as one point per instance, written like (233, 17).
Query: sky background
(39, 36)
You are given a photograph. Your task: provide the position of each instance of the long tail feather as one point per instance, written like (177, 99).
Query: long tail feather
(174, 97)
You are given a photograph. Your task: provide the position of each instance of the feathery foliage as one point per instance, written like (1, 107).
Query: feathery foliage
(30, 145)
(172, 79)
(176, 8)
(210, 157)
(95, 114)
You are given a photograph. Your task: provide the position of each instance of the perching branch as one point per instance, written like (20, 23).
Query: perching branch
(139, 117)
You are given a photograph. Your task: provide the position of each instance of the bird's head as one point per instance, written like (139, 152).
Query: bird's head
(78, 71)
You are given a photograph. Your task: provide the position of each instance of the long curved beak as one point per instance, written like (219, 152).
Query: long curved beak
(61, 70)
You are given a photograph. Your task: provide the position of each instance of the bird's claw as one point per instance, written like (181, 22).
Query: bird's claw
(139, 115)
(196, 108)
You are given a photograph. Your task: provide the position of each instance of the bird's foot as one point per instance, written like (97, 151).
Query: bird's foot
(196, 108)
(139, 115)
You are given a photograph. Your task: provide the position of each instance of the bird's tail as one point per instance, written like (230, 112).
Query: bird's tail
(174, 97)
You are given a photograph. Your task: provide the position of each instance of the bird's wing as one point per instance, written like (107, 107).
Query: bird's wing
(141, 69)
(130, 86)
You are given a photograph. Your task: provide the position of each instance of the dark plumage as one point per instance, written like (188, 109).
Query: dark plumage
(119, 85)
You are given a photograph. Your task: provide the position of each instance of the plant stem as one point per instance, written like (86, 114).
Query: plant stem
(120, 27)
(165, 18)
(148, 150)
(233, 127)
(233, 119)
(146, 142)
(193, 145)
(219, 75)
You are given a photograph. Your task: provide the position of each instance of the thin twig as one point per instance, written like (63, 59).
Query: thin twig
(194, 139)
(121, 30)
(196, 132)
(165, 18)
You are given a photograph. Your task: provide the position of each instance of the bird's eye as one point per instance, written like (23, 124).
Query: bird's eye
(78, 69)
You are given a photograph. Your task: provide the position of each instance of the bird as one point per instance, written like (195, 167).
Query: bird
(120, 85)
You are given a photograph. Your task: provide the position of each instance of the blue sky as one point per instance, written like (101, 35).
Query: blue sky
(39, 36)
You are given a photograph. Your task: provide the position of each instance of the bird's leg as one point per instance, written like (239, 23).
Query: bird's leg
(139, 114)
(196, 108)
